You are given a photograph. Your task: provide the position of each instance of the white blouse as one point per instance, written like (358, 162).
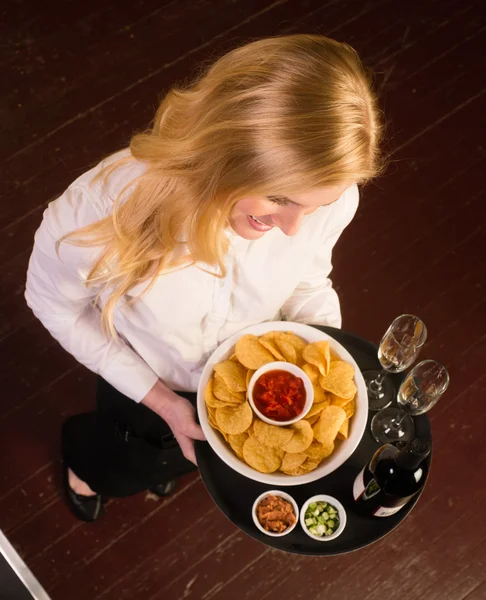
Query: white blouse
(170, 332)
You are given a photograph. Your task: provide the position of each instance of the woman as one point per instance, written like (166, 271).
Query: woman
(223, 215)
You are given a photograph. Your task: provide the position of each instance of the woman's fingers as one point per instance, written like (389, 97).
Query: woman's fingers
(187, 447)
(195, 432)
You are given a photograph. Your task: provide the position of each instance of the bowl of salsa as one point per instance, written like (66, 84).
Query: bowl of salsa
(280, 393)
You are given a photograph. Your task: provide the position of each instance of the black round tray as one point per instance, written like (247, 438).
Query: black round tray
(234, 494)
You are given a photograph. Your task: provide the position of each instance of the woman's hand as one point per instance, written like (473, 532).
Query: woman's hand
(179, 414)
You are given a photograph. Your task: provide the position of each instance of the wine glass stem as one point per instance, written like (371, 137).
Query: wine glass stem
(377, 383)
(396, 423)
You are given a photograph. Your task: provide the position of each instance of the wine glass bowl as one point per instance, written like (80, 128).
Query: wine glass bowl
(423, 387)
(401, 343)
(398, 349)
(419, 392)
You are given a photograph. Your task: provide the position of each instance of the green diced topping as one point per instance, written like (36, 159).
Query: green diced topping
(321, 519)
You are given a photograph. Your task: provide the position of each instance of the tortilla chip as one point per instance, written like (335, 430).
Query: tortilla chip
(343, 432)
(318, 451)
(212, 422)
(329, 423)
(320, 395)
(350, 408)
(249, 375)
(260, 457)
(233, 374)
(236, 441)
(318, 354)
(294, 340)
(272, 435)
(338, 401)
(316, 409)
(234, 420)
(312, 372)
(340, 380)
(291, 462)
(211, 399)
(312, 419)
(302, 438)
(251, 353)
(287, 350)
(306, 467)
(271, 346)
(223, 394)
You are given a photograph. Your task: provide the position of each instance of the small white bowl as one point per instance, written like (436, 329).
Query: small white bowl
(336, 504)
(294, 370)
(283, 495)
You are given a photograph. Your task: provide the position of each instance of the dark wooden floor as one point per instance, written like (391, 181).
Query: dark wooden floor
(78, 78)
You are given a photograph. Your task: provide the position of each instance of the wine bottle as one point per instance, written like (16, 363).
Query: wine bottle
(391, 478)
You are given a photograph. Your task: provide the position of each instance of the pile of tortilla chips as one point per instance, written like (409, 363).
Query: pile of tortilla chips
(295, 449)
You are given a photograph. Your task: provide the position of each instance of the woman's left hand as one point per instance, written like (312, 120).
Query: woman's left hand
(179, 414)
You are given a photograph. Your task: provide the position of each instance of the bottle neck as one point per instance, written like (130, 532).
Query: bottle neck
(408, 462)
(410, 457)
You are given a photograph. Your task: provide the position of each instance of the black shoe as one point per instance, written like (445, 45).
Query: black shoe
(86, 508)
(164, 489)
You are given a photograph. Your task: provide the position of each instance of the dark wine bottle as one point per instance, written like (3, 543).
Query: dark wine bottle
(391, 478)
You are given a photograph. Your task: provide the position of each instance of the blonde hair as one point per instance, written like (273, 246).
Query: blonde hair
(276, 116)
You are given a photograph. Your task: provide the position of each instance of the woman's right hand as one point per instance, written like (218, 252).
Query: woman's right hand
(179, 414)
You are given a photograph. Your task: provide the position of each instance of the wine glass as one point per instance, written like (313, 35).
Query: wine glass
(419, 392)
(398, 349)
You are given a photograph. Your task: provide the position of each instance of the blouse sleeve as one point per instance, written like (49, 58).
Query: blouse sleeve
(56, 292)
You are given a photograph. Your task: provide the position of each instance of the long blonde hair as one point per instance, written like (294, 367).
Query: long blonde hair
(276, 116)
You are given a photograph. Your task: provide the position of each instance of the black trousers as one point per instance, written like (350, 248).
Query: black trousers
(122, 448)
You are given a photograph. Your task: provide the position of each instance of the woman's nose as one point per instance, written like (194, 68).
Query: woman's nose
(290, 221)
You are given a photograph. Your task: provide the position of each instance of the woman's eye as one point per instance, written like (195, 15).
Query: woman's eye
(278, 200)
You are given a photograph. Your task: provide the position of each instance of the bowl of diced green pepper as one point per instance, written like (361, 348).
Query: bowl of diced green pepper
(323, 518)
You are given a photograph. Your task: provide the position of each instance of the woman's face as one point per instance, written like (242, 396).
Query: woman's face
(253, 216)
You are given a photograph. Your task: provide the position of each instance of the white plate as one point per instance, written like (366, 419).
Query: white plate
(343, 450)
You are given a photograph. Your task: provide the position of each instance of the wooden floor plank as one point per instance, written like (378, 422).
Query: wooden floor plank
(96, 68)
(477, 593)
(29, 497)
(156, 524)
(164, 565)
(412, 216)
(34, 430)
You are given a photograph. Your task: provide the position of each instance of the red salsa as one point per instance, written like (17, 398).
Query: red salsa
(279, 395)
